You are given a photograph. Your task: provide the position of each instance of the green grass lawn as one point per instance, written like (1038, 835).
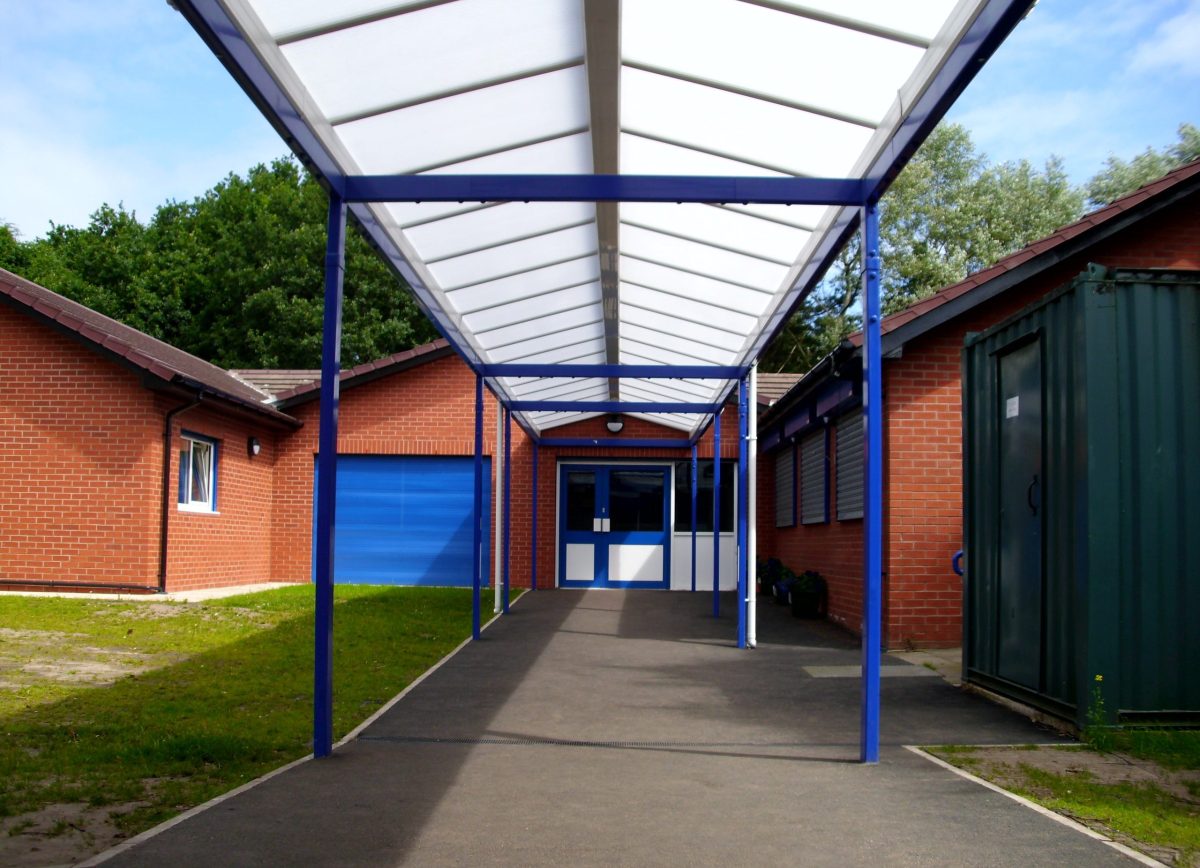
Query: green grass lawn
(220, 692)
(1161, 809)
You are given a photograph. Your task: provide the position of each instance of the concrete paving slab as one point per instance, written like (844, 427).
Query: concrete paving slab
(623, 728)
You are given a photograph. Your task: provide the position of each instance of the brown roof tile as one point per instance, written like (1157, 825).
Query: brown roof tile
(368, 371)
(1036, 248)
(772, 387)
(167, 363)
(276, 380)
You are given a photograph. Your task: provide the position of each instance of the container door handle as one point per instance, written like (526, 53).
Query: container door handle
(1033, 507)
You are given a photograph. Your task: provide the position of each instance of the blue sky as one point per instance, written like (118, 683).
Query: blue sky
(119, 101)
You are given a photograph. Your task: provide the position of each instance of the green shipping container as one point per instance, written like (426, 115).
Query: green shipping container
(1081, 457)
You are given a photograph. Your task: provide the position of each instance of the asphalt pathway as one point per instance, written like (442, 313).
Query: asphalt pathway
(624, 728)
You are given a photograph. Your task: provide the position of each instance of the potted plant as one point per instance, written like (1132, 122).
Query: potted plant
(782, 586)
(768, 573)
(807, 595)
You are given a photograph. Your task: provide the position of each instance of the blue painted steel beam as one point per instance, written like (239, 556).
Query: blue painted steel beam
(533, 523)
(695, 484)
(743, 510)
(716, 589)
(613, 406)
(873, 494)
(631, 443)
(645, 372)
(525, 426)
(331, 360)
(703, 429)
(603, 188)
(477, 515)
(507, 505)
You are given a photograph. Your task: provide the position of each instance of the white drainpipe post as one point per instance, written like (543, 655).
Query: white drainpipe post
(498, 496)
(752, 511)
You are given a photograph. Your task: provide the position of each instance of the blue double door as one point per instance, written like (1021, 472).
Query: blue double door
(614, 526)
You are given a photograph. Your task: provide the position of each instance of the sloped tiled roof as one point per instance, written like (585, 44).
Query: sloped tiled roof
(368, 371)
(160, 360)
(273, 381)
(977, 288)
(772, 387)
(1092, 221)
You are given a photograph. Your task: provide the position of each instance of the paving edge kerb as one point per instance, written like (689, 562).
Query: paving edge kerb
(110, 853)
(1044, 811)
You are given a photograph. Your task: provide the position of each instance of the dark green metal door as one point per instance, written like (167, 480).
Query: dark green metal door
(1020, 573)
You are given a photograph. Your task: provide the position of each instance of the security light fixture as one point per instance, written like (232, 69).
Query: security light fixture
(614, 424)
(253, 446)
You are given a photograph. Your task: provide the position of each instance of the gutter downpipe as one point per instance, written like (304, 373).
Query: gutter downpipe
(716, 580)
(742, 511)
(695, 478)
(498, 498)
(165, 511)
(752, 510)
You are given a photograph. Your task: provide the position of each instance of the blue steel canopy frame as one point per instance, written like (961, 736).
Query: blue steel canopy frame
(857, 200)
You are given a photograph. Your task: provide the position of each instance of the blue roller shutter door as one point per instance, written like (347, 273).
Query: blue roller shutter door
(406, 520)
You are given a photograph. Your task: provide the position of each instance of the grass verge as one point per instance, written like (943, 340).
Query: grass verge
(149, 708)
(1145, 791)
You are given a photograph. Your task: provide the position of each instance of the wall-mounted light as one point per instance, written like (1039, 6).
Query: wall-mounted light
(253, 446)
(614, 424)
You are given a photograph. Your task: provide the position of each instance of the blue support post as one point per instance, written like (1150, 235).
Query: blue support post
(695, 482)
(743, 509)
(331, 360)
(533, 524)
(507, 504)
(873, 495)
(716, 589)
(477, 538)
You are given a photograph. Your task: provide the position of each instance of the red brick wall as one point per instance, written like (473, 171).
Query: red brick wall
(81, 474)
(923, 446)
(834, 550)
(231, 546)
(79, 462)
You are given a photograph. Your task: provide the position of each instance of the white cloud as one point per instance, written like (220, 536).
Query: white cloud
(114, 103)
(1174, 46)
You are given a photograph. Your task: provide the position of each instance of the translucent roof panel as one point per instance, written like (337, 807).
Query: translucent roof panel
(751, 88)
(358, 71)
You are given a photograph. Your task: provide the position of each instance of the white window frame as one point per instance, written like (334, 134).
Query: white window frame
(195, 442)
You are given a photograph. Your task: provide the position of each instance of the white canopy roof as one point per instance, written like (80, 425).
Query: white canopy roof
(761, 88)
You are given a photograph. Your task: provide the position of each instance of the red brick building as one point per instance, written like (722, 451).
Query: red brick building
(91, 499)
(811, 438)
(89, 504)
(86, 497)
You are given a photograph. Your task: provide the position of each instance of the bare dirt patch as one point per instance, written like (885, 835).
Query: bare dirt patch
(60, 834)
(1004, 768)
(33, 656)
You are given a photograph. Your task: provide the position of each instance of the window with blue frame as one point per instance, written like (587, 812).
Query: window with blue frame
(704, 495)
(198, 473)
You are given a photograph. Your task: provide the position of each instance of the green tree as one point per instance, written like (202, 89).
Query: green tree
(235, 276)
(1119, 177)
(948, 213)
